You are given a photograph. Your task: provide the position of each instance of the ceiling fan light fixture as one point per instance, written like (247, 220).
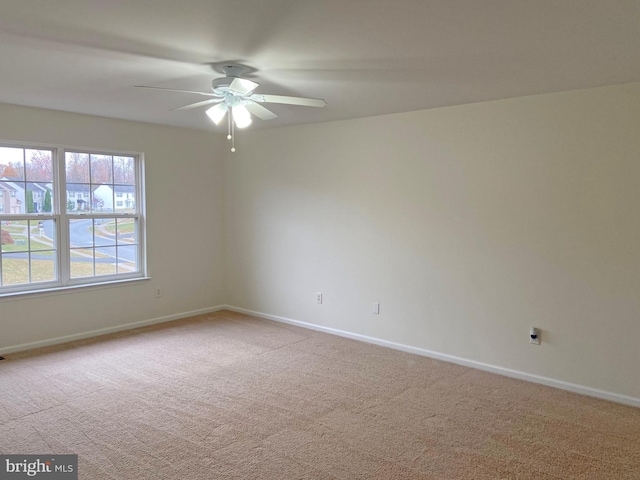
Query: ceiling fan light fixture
(217, 112)
(234, 95)
(241, 116)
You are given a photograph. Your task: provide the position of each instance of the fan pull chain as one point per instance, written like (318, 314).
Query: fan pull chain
(232, 131)
(233, 136)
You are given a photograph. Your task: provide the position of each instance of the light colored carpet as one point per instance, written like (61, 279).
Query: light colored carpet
(225, 395)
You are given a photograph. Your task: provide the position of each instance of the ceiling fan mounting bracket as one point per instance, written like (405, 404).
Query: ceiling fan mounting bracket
(234, 70)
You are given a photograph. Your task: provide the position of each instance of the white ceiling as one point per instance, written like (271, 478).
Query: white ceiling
(364, 57)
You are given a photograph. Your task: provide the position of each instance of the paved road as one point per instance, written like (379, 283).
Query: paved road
(81, 236)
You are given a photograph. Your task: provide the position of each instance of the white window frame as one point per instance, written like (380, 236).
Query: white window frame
(62, 220)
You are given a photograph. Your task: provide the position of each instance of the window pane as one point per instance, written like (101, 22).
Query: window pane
(81, 262)
(11, 163)
(77, 167)
(6, 236)
(12, 197)
(127, 232)
(14, 236)
(15, 268)
(106, 261)
(41, 235)
(125, 198)
(104, 232)
(39, 165)
(101, 169)
(38, 197)
(127, 259)
(78, 197)
(124, 170)
(102, 199)
(43, 266)
(80, 233)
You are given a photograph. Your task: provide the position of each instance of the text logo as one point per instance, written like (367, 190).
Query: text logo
(44, 467)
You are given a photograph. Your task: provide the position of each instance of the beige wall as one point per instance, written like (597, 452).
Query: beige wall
(184, 227)
(468, 224)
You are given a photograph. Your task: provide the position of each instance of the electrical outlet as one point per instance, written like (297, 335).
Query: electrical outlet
(158, 292)
(534, 336)
(318, 297)
(375, 308)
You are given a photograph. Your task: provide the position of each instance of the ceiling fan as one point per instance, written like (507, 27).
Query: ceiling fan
(234, 95)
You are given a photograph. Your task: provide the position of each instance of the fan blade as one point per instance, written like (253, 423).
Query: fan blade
(242, 86)
(175, 90)
(260, 112)
(305, 102)
(217, 112)
(198, 104)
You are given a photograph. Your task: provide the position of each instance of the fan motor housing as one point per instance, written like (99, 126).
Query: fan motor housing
(231, 71)
(221, 85)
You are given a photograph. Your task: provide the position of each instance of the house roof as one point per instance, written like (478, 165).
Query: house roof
(365, 57)
(9, 185)
(78, 187)
(43, 187)
(18, 185)
(125, 189)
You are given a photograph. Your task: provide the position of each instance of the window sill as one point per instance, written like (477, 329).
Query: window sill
(46, 292)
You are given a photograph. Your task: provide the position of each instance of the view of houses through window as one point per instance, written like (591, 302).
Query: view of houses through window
(92, 197)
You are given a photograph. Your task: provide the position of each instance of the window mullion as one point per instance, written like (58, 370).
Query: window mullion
(140, 217)
(62, 247)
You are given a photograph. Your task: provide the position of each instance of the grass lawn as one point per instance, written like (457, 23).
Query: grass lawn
(15, 271)
(15, 227)
(124, 226)
(85, 269)
(36, 245)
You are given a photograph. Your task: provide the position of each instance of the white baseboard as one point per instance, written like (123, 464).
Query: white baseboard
(105, 331)
(572, 387)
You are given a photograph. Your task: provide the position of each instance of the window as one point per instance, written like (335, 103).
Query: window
(51, 237)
